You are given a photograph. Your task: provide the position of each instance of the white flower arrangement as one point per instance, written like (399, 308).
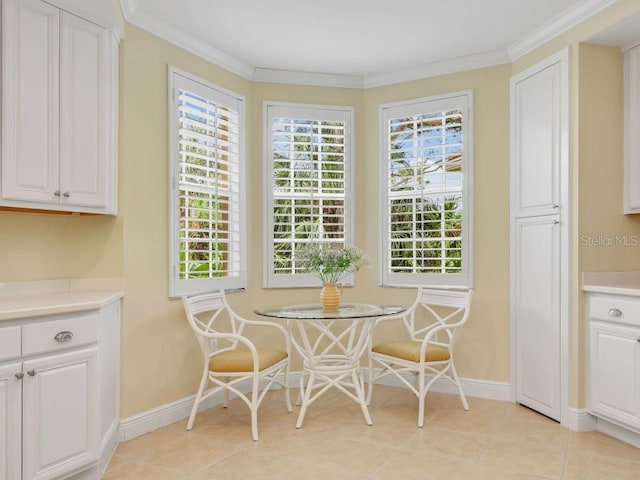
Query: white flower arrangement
(331, 262)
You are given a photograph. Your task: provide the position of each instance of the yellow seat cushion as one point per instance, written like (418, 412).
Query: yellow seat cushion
(410, 350)
(240, 360)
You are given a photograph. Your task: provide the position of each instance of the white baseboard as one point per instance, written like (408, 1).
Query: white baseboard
(615, 431)
(145, 422)
(472, 388)
(167, 414)
(580, 420)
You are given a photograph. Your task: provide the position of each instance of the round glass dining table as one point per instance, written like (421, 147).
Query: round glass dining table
(331, 344)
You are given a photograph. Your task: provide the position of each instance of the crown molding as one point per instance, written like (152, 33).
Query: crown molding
(558, 25)
(565, 21)
(182, 39)
(268, 75)
(129, 8)
(461, 64)
(454, 65)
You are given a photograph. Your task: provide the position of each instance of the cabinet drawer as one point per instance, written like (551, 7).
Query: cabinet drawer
(59, 334)
(612, 309)
(9, 343)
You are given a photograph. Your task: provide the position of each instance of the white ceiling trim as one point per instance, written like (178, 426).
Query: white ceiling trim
(562, 23)
(547, 32)
(268, 75)
(454, 65)
(128, 8)
(178, 37)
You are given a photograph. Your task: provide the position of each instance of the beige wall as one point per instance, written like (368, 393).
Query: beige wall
(489, 321)
(161, 361)
(36, 246)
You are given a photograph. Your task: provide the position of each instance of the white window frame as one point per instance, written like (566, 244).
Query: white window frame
(303, 111)
(178, 287)
(464, 101)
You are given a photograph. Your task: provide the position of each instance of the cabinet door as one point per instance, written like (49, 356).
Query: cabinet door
(537, 314)
(10, 422)
(30, 43)
(614, 372)
(631, 128)
(538, 136)
(85, 102)
(60, 414)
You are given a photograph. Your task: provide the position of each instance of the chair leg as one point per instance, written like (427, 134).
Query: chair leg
(287, 389)
(421, 398)
(454, 375)
(196, 402)
(254, 409)
(225, 400)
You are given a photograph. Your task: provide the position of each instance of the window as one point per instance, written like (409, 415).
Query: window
(308, 172)
(206, 176)
(426, 175)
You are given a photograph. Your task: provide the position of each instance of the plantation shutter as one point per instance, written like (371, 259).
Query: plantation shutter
(308, 161)
(208, 195)
(426, 172)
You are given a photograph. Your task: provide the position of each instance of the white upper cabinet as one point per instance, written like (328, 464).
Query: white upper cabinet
(59, 94)
(631, 129)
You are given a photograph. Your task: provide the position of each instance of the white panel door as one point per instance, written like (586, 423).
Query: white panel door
(60, 415)
(537, 309)
(84, 105)
(537, 142)
(539, 180)
(30, 41)
(614, 366)
(10, 422)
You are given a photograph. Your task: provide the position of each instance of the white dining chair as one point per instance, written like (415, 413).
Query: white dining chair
(431, 325)
(231, 359)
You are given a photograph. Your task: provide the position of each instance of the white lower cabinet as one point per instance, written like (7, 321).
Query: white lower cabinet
(59, 419)
(10, 422)
(614, 360)
(50, 418)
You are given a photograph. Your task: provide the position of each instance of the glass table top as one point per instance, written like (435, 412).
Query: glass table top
(345, 310)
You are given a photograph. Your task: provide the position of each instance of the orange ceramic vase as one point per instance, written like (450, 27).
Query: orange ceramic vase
(330, 296)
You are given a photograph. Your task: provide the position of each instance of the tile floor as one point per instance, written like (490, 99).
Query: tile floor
(494, 440)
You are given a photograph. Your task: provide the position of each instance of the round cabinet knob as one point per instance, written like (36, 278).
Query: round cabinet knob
(66, 194)
(20, 375)
(615, 312)
(31, 372)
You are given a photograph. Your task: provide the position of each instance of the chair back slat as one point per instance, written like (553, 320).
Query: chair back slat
(443, 307)
(444, 298)
(206, 302)
(202, 313)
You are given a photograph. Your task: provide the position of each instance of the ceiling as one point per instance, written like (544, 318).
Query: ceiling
(359, 42)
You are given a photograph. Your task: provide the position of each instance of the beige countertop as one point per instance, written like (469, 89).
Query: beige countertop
(30, 299)
(617, 283)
